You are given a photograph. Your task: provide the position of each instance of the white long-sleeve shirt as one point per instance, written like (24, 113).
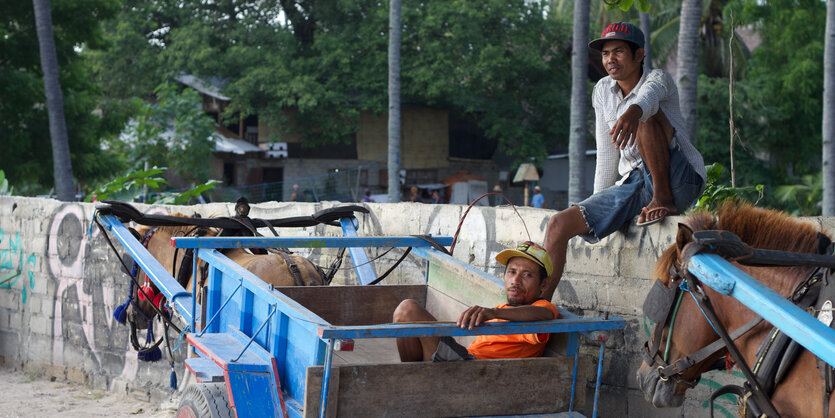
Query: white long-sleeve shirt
(656, 90)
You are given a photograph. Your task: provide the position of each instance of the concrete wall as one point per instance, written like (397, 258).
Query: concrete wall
(56, 316)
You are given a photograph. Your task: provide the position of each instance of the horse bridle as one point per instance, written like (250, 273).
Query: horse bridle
(660, 309)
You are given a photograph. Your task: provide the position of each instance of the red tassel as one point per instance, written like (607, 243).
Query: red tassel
(729, 362)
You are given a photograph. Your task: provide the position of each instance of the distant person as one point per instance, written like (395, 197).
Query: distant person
(436, 197)
(415, 197)
(537, 201)
(295, 195)
(526, 276)
(367, 197)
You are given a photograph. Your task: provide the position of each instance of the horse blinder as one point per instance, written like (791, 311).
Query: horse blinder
(659, 301)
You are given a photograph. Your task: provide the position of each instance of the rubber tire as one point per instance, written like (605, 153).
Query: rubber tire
(205, 400)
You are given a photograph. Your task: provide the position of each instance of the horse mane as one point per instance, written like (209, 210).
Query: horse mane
(760, 228)
(171, 229)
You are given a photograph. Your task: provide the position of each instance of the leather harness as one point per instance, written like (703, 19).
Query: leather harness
(777, 352)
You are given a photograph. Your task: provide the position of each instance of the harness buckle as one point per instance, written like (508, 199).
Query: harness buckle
(661, 377)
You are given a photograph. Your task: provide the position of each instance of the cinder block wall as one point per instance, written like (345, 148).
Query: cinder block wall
(56, 315)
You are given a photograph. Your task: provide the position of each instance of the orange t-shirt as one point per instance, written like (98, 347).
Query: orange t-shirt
(512, 346)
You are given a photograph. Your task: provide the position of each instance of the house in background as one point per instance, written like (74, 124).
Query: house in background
(257, 161)
(554, 179)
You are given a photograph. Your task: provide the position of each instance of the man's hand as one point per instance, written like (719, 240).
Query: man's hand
(475, 316)
(626, 127)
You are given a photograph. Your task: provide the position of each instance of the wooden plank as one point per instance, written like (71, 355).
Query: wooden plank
(446, 308)
(355, 305)
(464, 388)
(461, 281)
(314, 385)
(369, 351)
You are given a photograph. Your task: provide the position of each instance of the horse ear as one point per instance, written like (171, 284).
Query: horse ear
(683, 236)
(135, 233)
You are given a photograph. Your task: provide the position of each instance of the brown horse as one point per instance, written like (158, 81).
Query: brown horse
(272, 268)
(799, 393)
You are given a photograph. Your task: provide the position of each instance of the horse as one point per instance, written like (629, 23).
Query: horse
(275, 268)
(798, 391)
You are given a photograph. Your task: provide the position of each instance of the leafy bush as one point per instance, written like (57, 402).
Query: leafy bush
(134, 184)
(716, 193)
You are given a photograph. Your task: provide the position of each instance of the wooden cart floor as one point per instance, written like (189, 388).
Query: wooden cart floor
(369, 351)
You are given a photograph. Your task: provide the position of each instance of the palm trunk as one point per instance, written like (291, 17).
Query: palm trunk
(394, 102)
(647, 30)
(688, 63)
(61, 164)
(577, 135)
(828, 157)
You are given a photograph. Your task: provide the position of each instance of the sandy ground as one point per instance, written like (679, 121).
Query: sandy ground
(25, 397)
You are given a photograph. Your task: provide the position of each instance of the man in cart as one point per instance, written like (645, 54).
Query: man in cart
(525, 278)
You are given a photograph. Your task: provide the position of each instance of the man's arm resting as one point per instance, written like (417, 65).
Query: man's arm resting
(477, 315)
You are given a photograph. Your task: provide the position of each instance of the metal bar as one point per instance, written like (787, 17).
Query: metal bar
(212, 319)
(152, 268)
(727, 279)
(599, 375)
(440, 329)
(365, 269)
(194, 281)
(574, 378)
(304, 242)
(326, 377)
(255, 334)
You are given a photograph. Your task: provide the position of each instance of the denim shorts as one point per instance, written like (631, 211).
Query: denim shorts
(609, 209)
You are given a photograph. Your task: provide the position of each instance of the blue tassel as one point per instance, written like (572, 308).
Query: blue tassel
(152, 355)
(173, 378)
(121, 312)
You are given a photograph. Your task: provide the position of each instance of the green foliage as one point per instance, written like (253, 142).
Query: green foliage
(803, 199)
(716, 193)
(5, 188)
(173, 132)
(25, 143)
(310, 68)
(786, 70)
(643, 6)
(136, 183)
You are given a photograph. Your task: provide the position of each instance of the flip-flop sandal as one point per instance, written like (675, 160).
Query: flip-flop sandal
(664, 213)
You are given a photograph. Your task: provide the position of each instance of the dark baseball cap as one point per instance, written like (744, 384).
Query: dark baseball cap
(623, 31)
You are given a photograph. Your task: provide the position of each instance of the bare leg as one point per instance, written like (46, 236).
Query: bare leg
(562, 227)
(653, 138)
(414, 348)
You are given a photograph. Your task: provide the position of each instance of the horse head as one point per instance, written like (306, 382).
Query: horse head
(674, 358)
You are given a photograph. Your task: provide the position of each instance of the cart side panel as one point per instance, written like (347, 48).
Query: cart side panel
(470, 285)
(464, 388)
(355, 305)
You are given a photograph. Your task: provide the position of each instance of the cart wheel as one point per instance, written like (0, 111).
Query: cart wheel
(205, 400)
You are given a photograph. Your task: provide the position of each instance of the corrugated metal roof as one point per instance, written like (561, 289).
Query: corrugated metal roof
(233, 145)
(202, 86)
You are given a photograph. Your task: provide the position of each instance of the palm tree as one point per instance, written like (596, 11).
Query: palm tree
(688, 63)
(394, 102)
(577, 134)
(646, 28)
(61, 164)
(828, 157)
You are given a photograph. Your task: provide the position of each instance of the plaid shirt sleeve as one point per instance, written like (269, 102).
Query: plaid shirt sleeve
(606, 168)
(655, 89)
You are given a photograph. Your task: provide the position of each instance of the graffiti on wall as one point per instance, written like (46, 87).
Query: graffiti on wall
(14, 263)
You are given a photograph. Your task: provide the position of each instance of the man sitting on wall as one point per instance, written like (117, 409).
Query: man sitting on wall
(528, 267)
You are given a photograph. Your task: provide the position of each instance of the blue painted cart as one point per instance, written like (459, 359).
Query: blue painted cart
(798, 324)
(267, 351)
